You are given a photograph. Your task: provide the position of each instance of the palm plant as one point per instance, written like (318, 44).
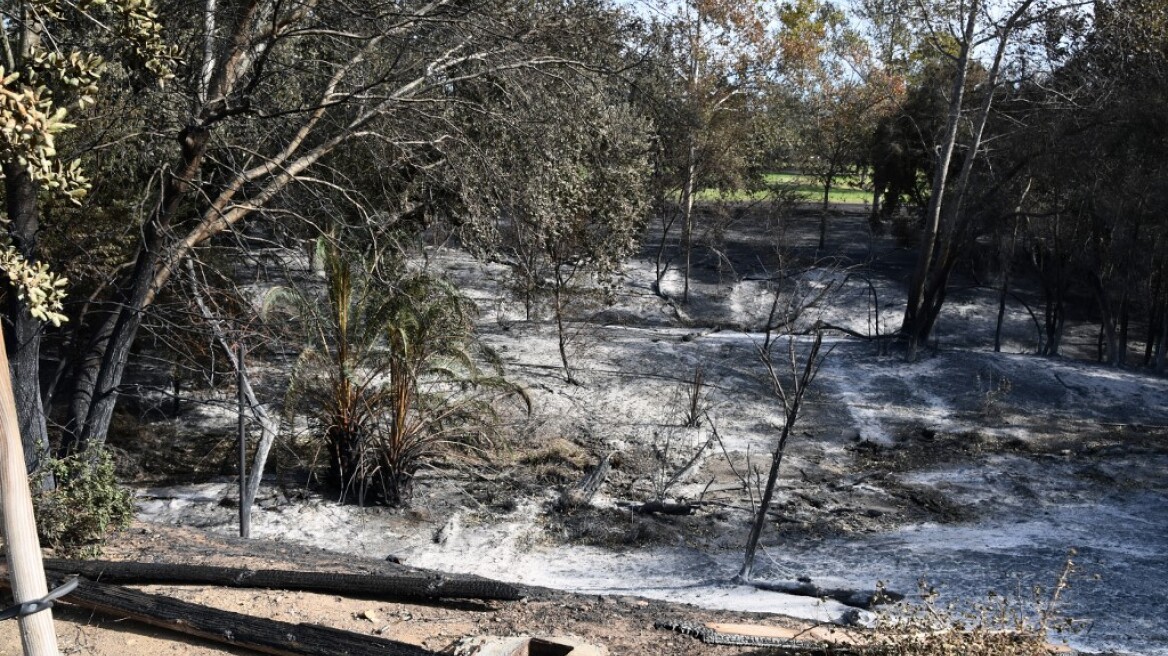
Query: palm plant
(393, 375)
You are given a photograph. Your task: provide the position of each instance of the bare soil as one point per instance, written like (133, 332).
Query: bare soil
(622, 624)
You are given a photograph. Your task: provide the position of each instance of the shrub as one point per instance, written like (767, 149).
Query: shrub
(394, 376)
(84, 506)
(1002, 625)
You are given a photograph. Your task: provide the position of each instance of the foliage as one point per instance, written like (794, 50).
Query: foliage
(571, 194)
(243, 131)
(30, 121)
(1095, 227)
(392, 376)
(841, 96)
(903, 144)
(38, 82)
(85, 505)
(704, 76)
(39, 288)
(575, 190)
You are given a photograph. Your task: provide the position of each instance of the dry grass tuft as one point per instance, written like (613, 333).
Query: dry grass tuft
(999, 626)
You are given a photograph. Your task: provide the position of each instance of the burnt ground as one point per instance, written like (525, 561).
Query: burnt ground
(622, 624)
(968, 466)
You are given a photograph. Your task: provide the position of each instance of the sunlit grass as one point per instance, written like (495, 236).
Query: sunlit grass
(845, 189)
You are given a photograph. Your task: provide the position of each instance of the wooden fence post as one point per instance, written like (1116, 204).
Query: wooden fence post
(244, 506)
(20, 533)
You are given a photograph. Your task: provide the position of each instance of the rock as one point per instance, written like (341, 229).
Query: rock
(449, 530)
(850, 617)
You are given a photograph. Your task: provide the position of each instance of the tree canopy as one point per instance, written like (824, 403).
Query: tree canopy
(138, 134)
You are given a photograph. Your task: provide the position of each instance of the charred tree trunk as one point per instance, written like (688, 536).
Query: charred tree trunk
(687, 207)
(1162, 344)
(1054, 317)
(792, 403)
(23, 336)
(823, 213)
(668, 218)
(1005, 289)
(1121, 342)
(691, 164)
(419, 585)
(99, 373)
(912, 326)
(1108, 335)
(1007, 263)
(943, 232)
(233, 629)
(1153, 332)
(561, 329)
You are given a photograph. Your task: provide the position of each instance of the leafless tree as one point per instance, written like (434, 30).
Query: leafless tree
(791, 366)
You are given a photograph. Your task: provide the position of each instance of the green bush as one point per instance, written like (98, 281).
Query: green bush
(84, 506)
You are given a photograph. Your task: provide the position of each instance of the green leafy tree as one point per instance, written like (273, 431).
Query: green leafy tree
(43, 76)
(709, 63)
(573, 198)
(842, 94)
(265, 103)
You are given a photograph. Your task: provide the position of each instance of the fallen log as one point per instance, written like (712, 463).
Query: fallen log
(380, 586)
(854, 598)
(234, 629)
(666, 508)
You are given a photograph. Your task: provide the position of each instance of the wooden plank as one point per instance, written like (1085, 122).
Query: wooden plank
(380, 586)
(234, 629)
(37, 635)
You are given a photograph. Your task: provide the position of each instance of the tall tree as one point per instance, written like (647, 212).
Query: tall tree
(1096, 228)
(962, 33)
(843, 93)
(45, 73)
(711, 54)
(572, 193)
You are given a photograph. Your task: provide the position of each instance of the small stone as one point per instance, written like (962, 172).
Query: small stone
(368, 614)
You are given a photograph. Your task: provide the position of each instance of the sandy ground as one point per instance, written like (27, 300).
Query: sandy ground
(622, 624)
(975, 470)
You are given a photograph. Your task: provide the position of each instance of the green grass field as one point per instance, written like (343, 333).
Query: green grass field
(846, 189)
